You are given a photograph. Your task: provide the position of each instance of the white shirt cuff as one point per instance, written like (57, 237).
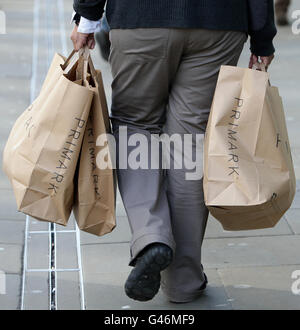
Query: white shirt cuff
(86, 25)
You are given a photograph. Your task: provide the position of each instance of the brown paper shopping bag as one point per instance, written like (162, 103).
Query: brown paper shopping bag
(42, 150)
(94, 207)
(249, 179)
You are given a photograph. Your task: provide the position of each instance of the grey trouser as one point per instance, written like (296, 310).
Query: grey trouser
(163, 82)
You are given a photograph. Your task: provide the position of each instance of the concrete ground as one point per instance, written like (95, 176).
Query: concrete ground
(246, 270)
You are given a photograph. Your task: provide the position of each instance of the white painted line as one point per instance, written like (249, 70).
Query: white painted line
(126, 307)
(242, 286)
(41, 270)
(82, 300)
(57, 231)
(49, 266)
(36, 291)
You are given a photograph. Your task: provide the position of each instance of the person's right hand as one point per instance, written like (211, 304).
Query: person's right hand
(266, 60)
(82, 39)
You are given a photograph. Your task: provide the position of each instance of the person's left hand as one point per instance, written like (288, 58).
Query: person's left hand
(82, 39)
(266, 60)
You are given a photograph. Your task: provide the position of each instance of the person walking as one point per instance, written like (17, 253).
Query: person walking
(165, 58)
(282, 7)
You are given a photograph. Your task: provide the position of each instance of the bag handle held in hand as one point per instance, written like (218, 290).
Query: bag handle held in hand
(261, 67)
(82, 68)
(84, 55)
(84, 62)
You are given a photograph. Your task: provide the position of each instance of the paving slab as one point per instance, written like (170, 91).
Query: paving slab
(36, 225)
(214, 229)
(251, 251)
(293, 218)
(296, 161)
(8, 206)
(38, 251)
(11, 258)
(120, 210)
(12, 232)
(36, 295)
(296, 201)
(68, 291)
(16, 96)
(66, 254)
(11, 299)
(267, 288)
(19, 66)
(106, 291)
(121, 234)
(105, 258)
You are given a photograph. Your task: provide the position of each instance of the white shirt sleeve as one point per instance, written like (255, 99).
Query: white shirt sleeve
(86, 25)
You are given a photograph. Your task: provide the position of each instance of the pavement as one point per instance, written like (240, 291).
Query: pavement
(246, 270)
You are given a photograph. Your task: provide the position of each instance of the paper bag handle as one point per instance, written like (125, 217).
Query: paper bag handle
(260, 66)
(67, 61)
(85, 56)
(83, 53)
(83, 61)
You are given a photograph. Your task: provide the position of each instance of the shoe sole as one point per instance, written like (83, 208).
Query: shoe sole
(143, 282)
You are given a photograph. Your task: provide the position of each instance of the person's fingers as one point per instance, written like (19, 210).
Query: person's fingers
(79, 44)
(73, 36)
(250, 63)
(267, 60)
(74, 43)
(93, 44)
(81, 41)
(253, 60)
(90, 43)
(250, 66)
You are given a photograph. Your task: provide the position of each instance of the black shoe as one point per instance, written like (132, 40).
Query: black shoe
(201, 290)
(103, 41)
(144, 280)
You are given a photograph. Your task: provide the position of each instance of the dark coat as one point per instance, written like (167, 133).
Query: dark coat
(256, 17)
